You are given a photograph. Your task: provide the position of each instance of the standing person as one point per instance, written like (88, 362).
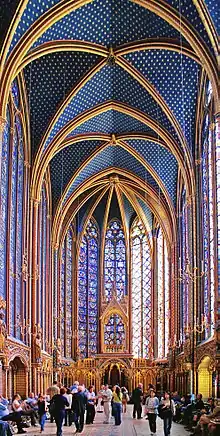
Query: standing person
(137, 396)
(125, 399)
(107, 397)
(151, 409)
(117, 405)
(59, 402)
(41, 412)
(68, 410)
(79, 404)
(168, 410)
(74, 387)
(100, 400)
(51, 391)
(91, 398)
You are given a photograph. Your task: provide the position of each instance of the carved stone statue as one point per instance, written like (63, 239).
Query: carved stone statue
(37, 342)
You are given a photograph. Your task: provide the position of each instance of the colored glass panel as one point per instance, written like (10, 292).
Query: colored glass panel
(115, 261)
(184, 256)
(114, 331)
(4, 205)
(163, 295)
(141, 292)
(88, 292)
(19, 220)
(208, 184)
(12, 282)
(160, 294)
(217, 134)
(43, 253)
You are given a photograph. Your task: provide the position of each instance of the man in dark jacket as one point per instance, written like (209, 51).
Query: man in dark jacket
(137, 397)
(79, 403)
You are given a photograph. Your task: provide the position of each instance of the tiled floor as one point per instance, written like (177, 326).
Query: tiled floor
(129, 427)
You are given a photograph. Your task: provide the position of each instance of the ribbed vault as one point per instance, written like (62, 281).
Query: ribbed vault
(111, 86)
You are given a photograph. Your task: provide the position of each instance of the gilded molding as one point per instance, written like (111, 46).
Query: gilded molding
(38, 171)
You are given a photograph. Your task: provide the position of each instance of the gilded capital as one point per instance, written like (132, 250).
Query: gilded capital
(3, 122)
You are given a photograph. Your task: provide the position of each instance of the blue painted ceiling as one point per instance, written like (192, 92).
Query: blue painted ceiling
(50, 79)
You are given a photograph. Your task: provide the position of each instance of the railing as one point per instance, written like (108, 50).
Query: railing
(114, 348)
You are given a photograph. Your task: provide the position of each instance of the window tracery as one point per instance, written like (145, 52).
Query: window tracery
(115, 261)
(66, 297)
(208, 184)
(43, 265)
(88, 291)
(163, 295)
(4, 204)
(114, 331)
(141, 294)
(183, 259)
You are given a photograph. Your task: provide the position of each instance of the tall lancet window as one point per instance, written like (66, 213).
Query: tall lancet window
(43, 267)
(66, 297)
(141, 296)
(4, 204)
(217, 133)
(88, 292)
(16, 227)
(208, 188)
(183, 259)
(115, 261)
(163, 295)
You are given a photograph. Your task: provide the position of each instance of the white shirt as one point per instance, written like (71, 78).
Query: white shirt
(69, 398)
(107, 395)
(16, 406)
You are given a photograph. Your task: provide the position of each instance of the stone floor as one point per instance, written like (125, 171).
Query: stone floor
(129, 427)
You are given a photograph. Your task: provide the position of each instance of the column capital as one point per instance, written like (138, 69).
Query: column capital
(55, 246)
(27, 164)
(35, 201)
(3, 122)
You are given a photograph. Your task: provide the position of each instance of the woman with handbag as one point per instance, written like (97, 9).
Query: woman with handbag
(151, 409)
(167, 411)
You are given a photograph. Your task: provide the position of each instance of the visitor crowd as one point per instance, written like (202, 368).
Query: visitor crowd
(76, 404)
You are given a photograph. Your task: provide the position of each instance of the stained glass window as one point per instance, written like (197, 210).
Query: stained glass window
(43, 264)
(208, 184)
(4, 204)
(16, 228)
(163, 295)
(115, 261)
(88, 292)
(217, 133)
(141, 291)
(66, 286)
(114, 331)
(183, 259)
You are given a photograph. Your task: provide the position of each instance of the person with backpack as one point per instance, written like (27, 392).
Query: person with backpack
(151, 409)
(125, 399)
(167, 411)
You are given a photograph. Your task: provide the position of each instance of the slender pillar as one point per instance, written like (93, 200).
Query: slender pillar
(34, 279)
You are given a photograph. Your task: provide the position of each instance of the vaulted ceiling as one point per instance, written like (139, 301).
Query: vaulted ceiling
(112, 85)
